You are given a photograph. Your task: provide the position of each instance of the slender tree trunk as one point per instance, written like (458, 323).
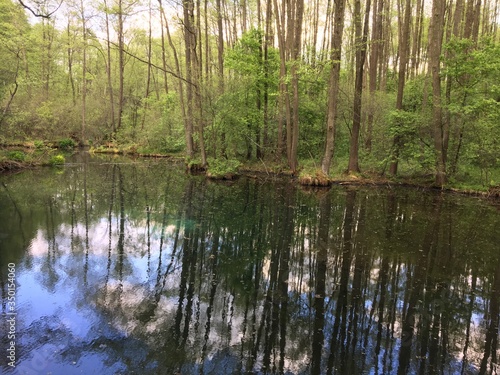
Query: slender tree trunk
(188, 130)
(435, 45)
(299, 12)
(333, 86)
(163, 51)
(84, 72)
(220, 64)
(361, 38)
(148, 79)
(403, 62)
(121, 64)
(190, 45)
(70, 63)
(108, 69)
(373, 63)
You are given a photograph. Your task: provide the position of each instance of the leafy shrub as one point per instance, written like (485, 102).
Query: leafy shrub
(38, 144)
(67, 144)
(222, 168)
(16, 155)
(57, 160)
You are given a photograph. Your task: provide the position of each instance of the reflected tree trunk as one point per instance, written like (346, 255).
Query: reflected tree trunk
(320, 283)
(339, 326)
(491, 341)
(417, 285)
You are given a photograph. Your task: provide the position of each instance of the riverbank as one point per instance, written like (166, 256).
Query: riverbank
(19, 156)
(16, 157)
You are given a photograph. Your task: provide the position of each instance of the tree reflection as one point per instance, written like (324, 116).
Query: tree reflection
(199, 277)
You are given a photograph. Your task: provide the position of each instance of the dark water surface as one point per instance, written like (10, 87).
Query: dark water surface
(137, 268)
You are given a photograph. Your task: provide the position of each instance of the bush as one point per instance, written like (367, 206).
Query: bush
(57, 160)
(67, 144)
(16, 155)
(38, 144)
(222, 168)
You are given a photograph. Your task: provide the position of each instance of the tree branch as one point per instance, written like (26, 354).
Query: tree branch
(155, 66)
(36, 14)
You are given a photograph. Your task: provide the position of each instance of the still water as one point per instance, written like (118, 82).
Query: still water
(126, 267)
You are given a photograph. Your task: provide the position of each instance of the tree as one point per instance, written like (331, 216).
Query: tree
(403, 63)
(435, 46)
(361, 38)
(13, 26)
(333, 86)
(289, 28)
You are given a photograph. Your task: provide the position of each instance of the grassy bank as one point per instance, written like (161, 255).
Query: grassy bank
(472, 181)
(22, 155)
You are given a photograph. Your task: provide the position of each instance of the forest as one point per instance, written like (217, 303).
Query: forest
(387, 87)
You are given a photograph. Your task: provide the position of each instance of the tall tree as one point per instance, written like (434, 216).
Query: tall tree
(375, 47)
(108, 67)
(435, 46)
(289, 27)
(404, 44)
(333, 86)
(361, 38)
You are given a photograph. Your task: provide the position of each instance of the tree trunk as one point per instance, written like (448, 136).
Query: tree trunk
(190, 45)
(403, 62)
(435, 45)
(121, 63)
(372, 72)
(108, 69)
(188, 132)
(84, 72)
(361, 38)
(333, 86)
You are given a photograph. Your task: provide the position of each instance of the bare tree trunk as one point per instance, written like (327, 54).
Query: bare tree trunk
(148, 79)
(108, 69)
(361, 38)
(373, 62)
(333, 86)
(403, 62)
(163, 51)
(299, 12)
(84, 72)
(188, 131)
(190, 45)
(121, 63)
(220, 64)
(435, 45)
(193, 75)
(70, 62)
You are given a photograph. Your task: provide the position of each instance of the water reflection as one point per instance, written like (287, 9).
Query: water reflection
(129, 268)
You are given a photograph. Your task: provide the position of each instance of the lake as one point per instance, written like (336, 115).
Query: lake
(134, 267)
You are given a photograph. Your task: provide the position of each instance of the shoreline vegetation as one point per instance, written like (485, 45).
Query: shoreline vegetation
(16, 157)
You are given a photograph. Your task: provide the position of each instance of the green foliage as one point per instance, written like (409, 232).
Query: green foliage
(407, 127)
(57, 160)
(16, 156)
(67, 144)
(222, 167)
(475, 102)
(39, 144)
